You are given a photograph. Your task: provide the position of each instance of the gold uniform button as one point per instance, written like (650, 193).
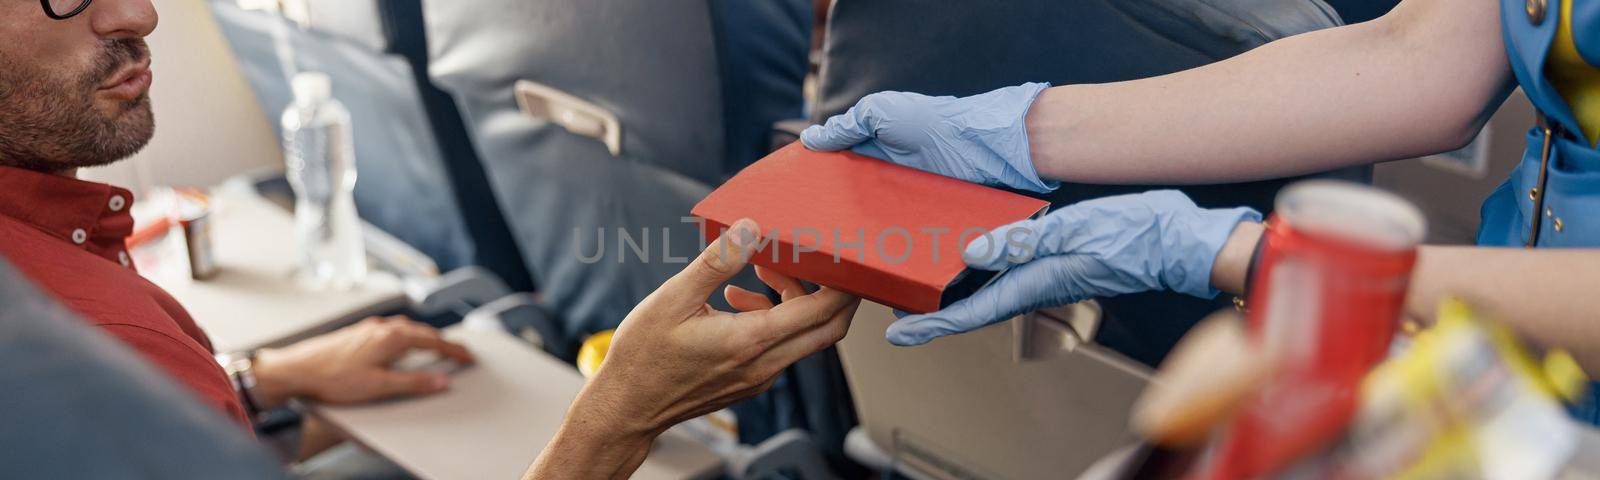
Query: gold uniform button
(1533, 194)
(1535, 10)
(1558, 225)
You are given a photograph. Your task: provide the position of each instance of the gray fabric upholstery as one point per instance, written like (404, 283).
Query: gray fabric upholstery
(76, 404)
(655, 65)
(696, 85)
(353, 20)
(968, 47)
(403, 188)
(962, 48)
(764, 49)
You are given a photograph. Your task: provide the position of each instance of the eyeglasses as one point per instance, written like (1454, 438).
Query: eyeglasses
(64, 9)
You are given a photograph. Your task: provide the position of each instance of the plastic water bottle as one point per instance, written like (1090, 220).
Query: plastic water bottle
(320, 161)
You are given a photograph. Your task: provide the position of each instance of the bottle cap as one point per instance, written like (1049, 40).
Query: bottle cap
(312, 87)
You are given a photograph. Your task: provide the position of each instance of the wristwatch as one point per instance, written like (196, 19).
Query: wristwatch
(241, 371)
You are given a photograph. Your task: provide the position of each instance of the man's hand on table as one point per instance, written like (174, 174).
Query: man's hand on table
(675, 358)
(352, 365)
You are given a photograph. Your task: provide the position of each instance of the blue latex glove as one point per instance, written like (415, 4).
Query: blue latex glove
(1100, 248)
(980, 139)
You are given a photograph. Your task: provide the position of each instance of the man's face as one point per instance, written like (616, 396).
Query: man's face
(74, 93)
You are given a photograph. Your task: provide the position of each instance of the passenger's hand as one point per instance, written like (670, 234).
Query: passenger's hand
(747, 301)
(675, 358)
(352, 365)
(1100, 248)
(980, 139)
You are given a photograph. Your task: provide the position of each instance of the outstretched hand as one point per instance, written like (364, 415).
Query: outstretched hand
(675, 358)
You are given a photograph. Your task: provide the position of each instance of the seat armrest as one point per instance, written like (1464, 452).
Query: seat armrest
(521, 315)
(459, 291)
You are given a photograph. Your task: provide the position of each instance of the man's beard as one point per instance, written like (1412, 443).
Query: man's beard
(52, 124)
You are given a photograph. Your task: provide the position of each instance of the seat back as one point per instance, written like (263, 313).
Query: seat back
(965, 48)
(80, 405)
(1024, 399)
(602, 231)
(763, 51)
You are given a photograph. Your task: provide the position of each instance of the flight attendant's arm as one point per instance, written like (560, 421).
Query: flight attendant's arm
(1417, 81)
(1420, 80)
(1086, 251)
(1551, 295)
(1548, 295)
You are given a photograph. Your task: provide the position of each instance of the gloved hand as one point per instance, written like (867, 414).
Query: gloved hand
(981, 139)
(1099, 248)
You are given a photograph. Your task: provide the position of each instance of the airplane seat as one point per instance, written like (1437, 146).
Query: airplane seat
(81, 405)
(567, 199)
(415, 177)
(965, 48)
(695, 87)
(602, 230)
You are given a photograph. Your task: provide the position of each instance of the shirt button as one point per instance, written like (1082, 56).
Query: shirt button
(122, 257)
(1535, 10)
(117, 202)
(79, 236)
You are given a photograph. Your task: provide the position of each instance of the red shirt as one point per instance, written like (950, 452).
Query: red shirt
(69, 237)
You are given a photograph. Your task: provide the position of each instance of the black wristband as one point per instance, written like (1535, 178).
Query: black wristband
(1255, 262)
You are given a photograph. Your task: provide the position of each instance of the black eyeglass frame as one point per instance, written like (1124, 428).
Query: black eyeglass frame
(51, 12)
